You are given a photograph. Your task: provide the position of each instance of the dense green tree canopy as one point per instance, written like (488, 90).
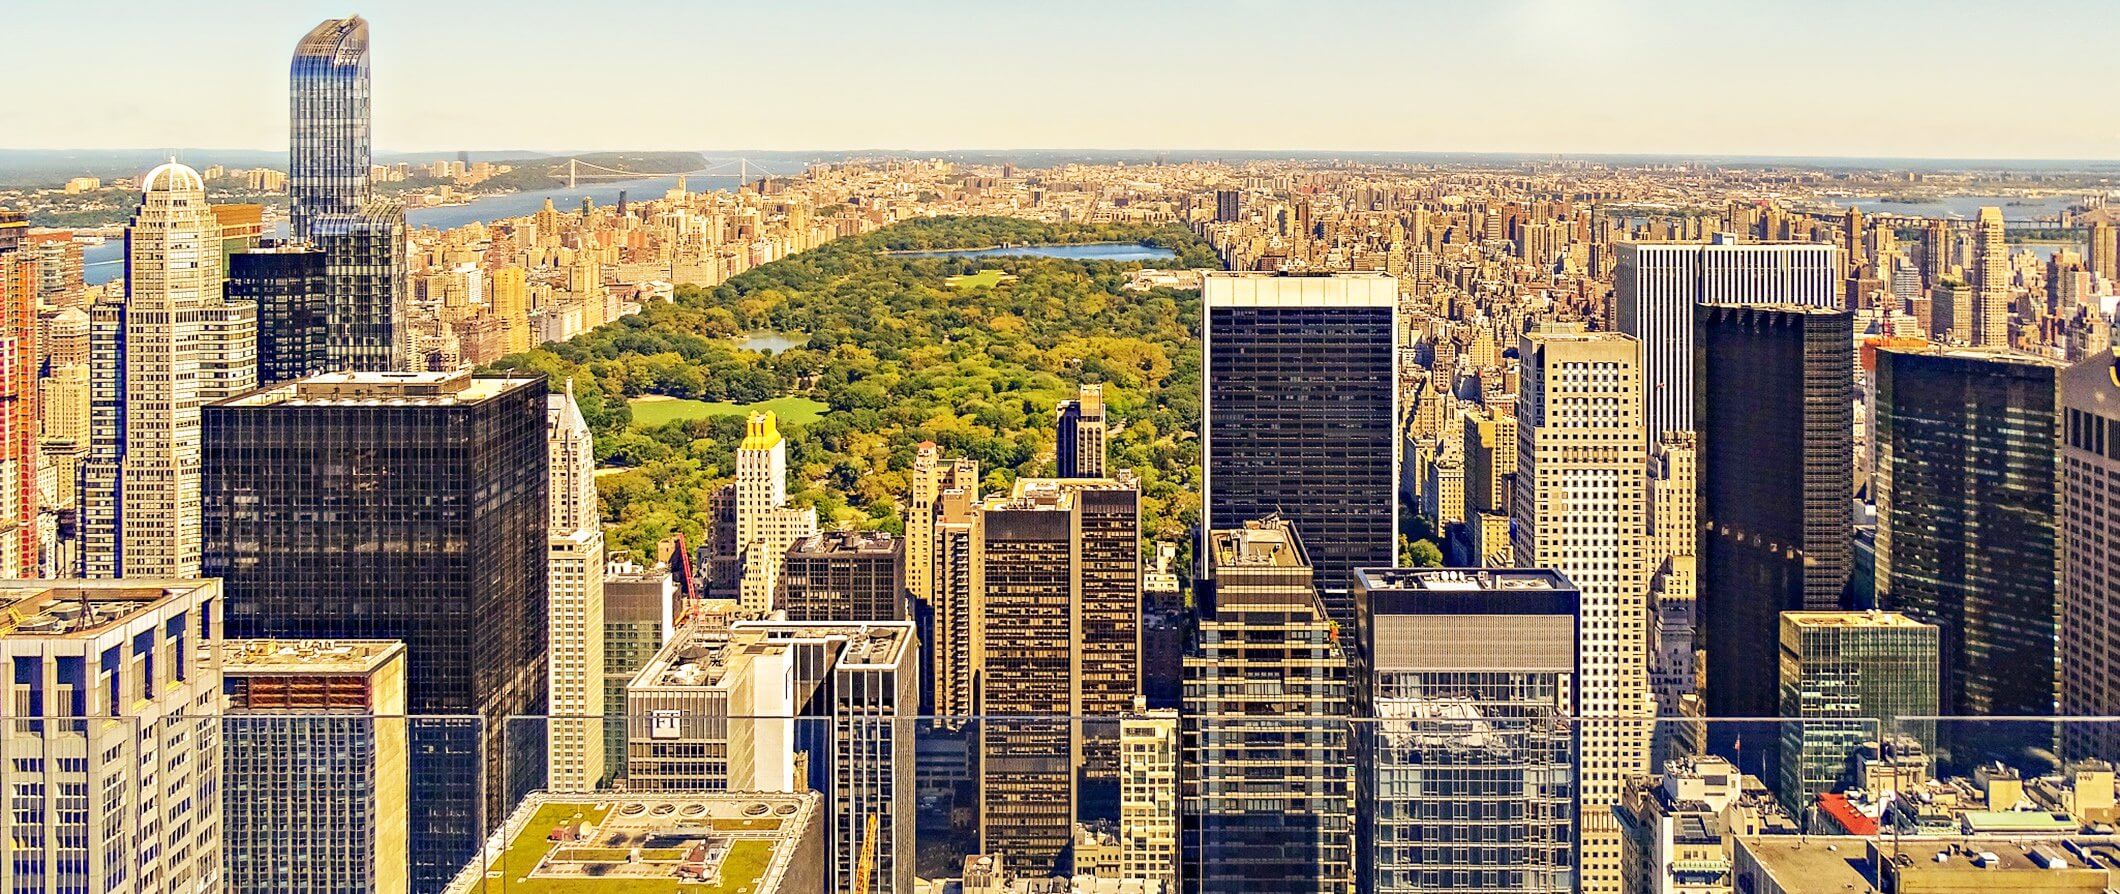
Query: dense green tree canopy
(900, 356)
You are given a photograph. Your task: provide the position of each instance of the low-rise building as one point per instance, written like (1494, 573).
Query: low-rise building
(755, 842)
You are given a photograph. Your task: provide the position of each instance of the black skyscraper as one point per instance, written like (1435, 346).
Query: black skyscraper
(287, 283)
(407, 506)
(1968, 487)
(1301, 415)
(1776, 484)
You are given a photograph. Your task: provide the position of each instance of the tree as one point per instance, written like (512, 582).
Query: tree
(1421, 553)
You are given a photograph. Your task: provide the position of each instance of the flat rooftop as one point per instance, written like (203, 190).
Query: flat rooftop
(1264, 543)
(380, 389)
(1463, 580)
(866, 543)
(1873, 619)
(1811, 862)
(79, 607)
(285, 657)
(700, 656)
(694, 843)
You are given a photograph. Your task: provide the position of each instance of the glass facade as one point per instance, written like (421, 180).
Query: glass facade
(365, 282)
(328, 149)
(1467, 777)
(1841, 673)
(1968, 490)
(1774, 483)
(287, 283)
(391, 514)
(1300, 421)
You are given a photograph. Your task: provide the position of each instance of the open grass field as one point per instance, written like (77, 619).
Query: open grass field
(652, 411)
(986, 278)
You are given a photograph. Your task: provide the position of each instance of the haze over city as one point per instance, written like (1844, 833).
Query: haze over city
(1954, 79)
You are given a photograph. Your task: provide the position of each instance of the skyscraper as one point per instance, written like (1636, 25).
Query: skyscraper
(1656, 287)
(313, 781)
(436, 487)
(1776, 480)
(1470, 674)
(1079, 445)
(2090, 547)
(1991, 281)
(640, 613)
(19, 362)
(1581, 510)
(845, 576)
(328, 151)
(287, 283)
(2104, 250)
(1059, 577)
(365, 280)
(1674, 534)
(1841, 674)
(114, 720)
(1148, 796)
(1268, 797)
(574, 612)
(1935, 252)
(182, 347)
(765, 524)
(1968, 494)
(1300, 415)
(957, 600)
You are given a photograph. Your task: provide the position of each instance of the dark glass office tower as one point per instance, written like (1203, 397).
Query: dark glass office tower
(1267, 796)
(406, 506)
(1775, 484)
(1968, 492)
(1301, 415)
(364, 281)
(287, 283)
(328, 151)
(1470, 782)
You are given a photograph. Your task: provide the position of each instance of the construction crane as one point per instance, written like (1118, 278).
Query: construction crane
(865, 866)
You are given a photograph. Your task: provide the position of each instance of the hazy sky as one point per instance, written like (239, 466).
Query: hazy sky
(1929, 78)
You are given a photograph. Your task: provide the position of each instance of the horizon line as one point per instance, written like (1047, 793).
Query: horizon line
(1193, 151)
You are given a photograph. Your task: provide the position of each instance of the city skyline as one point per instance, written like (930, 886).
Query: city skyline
(1531, 77)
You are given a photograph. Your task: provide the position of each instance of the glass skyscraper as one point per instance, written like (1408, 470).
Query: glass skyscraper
(328, 150)
(287, 283)
(1968, 475)
(1775, 485)
(1467, 775)
(1301, 415)
(406, 506)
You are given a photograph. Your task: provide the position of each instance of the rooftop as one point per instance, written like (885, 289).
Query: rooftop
(643, 843)
(380, 388)
(1463, 579)
(875, 543)
(78, 607)
(343, 656)
(701, 656)
(1872, 619)
(1265, 542)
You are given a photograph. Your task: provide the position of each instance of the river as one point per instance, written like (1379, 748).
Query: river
(106, 262)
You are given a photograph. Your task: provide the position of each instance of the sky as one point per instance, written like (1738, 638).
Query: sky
(1864, 78)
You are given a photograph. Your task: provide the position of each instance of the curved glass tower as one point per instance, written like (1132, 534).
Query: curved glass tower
(328, 151)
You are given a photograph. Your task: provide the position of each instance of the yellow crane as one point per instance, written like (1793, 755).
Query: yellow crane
(866, 865)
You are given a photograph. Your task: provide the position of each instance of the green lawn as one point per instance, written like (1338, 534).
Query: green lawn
(650, 412)
(987, 278)
(747, 859)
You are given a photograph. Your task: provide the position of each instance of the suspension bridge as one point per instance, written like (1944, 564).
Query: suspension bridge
(739, 168)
